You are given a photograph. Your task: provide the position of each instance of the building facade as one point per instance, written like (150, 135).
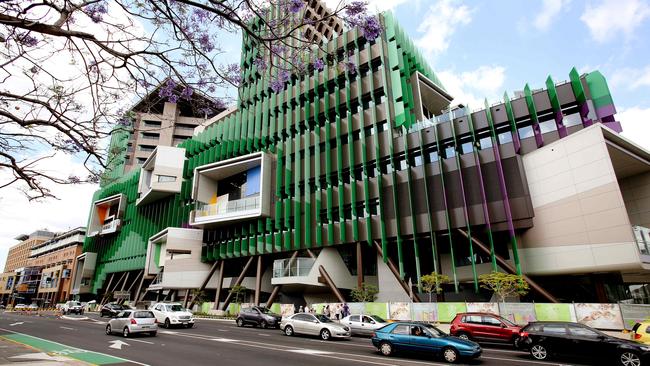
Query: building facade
(374, 176)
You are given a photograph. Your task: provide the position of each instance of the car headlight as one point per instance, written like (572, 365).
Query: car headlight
(645, 348)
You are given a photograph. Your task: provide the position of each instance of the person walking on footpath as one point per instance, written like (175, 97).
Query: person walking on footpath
(346, 310)
(301, 310)
(326, 311)
(338, 312)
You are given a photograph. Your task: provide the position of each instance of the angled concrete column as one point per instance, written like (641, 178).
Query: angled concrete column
(258, 280)
(237, 283)
(219, 286)
(206, 280)
(395, 272)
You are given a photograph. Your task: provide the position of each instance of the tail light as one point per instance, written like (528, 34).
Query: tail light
(523, 334)
(133, 321)
(637, 336)
(374, 334)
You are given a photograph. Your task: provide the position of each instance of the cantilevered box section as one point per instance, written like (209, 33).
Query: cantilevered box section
(232, 190)
(430, 98)
(106, 215)
(161, 175)
(83, 273)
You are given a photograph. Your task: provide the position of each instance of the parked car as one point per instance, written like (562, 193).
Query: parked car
(169, 314)
(363, 324)
(20, 307)
(545, 340)
(310, 324)
(72, 307)
(484, 327)
(258, 316)
(110, 310)
(32, 307)
(641, 332)
(417, 337)
(130, 322)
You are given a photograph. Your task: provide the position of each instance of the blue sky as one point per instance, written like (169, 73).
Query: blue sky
(478, 49)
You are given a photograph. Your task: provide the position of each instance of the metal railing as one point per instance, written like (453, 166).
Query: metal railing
(288, 268)
(642, 236)
(230, 207)
(111, 225)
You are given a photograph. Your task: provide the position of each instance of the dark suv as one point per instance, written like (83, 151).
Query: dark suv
(485, 327)
(258, 316)
(110, 310)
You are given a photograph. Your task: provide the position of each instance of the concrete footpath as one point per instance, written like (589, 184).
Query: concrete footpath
(12, 353)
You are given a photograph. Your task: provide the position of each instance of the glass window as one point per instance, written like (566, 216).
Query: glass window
(367, 319)
(450, 152)
(488, 320)
(558, 329)
(505, 137)
(485, 143)
(166, 178)
(582, 331)
(466, 148)
(548, 126)
(143, 314)
(473, 319)
(401, 329)
(354, 318)
(526, 132)
(303, 317)
(572, 120)
(321, 317)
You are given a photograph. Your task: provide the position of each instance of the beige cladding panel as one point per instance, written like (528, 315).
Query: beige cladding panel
(636, 193)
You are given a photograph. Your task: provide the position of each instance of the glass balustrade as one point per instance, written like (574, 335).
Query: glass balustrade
(228, 208)
(296, 268)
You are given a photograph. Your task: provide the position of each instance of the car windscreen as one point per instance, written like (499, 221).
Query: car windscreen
(73, 303)
(377, 319)
(174, 308)
(266, 311)
(323, 318)
(508, 322)
(143, 314)
(434, 331)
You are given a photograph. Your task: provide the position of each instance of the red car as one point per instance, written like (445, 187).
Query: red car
(485, 327)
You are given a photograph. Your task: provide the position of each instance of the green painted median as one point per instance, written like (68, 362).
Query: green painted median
(59, 349)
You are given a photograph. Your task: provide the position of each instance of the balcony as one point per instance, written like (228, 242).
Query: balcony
(299, 267)
(232, 190)
(642, 236)
(161, 175)
(105, 215)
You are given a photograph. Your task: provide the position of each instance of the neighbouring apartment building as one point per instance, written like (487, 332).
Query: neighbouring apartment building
(375, 176)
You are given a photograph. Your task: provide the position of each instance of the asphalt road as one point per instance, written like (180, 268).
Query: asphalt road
(221, 343)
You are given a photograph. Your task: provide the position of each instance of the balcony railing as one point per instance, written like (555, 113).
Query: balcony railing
(642, 236)
(228, 209)
(110, 227)
(296, 268)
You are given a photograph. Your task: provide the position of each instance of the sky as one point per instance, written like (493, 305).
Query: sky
(477, 49)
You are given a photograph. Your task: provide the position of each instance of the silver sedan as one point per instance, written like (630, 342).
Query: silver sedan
(363, 324)
(309, 324)
(129, 322)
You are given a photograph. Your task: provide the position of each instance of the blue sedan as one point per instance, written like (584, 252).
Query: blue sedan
(417, 337)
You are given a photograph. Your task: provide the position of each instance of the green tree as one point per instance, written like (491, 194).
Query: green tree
(238, 291)
(365, 293)
(198, 297)
(503, 284)
(433, 283)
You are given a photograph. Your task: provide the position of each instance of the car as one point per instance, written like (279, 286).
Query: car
(420, 337)
(129, 322)
(20, 307)
(642, 332)
(169, 314)
(72, 307)
(2, 307)
(484, 327)
(32, 307)
(258, 316)
(314, 324)
(110, 310)
(545, 340)
(363, 324)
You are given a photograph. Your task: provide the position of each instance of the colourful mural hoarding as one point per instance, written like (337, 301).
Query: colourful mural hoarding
(399, 311)
(601, 316)
(555, 312)
(424, 311)
(287, 310)
(483, 307)
(634, 313)
(377, 308)
(448, 310)
(356, 307)
(518, 313)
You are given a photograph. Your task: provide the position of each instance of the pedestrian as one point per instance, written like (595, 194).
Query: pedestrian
(338, 312)
(301, 310)
(307, 309)
(326, 311)
(346, 310)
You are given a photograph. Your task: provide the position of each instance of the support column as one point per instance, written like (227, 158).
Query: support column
(359, 265)
(206, 280)
(331, 284)
(187, 295)
(237, 283)
(137, 292)
(219, 285)
(395, 272)
(276, 288)
(258, 280)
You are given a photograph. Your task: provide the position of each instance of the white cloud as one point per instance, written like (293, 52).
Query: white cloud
(550, 10)
(472, 87)
(636, 125)
(631, 78)
(19, 216)
(611, 17)
(440, 23)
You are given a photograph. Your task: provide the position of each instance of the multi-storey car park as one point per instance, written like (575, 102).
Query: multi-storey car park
(374, 177)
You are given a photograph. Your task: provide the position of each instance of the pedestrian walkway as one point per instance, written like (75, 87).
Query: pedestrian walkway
(12, 353)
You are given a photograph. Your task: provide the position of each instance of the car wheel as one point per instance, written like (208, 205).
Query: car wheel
(288, 330)
(539, 352)
(515, 341)
(240, 322)
(629, 358)
(325, 334)
(450, 355)
(125, 332)
(386, 348)
(108, 330)
(463, 335)
(167, 324)
(263, 324)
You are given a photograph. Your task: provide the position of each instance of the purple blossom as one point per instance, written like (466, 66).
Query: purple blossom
(277, 49)
(167, 91)
(206, 110)
(187, 93)
(295, 6)
(349, 66)
(27, 40)
(260, 64)
(201, 15)
(172, 99)
(144, 83)
(74, 179)
(277, 86)
(319, 64)
(33, 69)
(96, 11)
(371, 28)
(206, 43)
(355, 8)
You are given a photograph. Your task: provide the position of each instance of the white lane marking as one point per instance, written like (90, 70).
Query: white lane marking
(67, 328)
(117, 344)
(263, 335)
(41, 356)
(223, 330)
(310, 351)
(63, 345)
(16, 323)
(520, 360)
(74, 318)
(168, 332)
(141, 341)
(224, 340)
